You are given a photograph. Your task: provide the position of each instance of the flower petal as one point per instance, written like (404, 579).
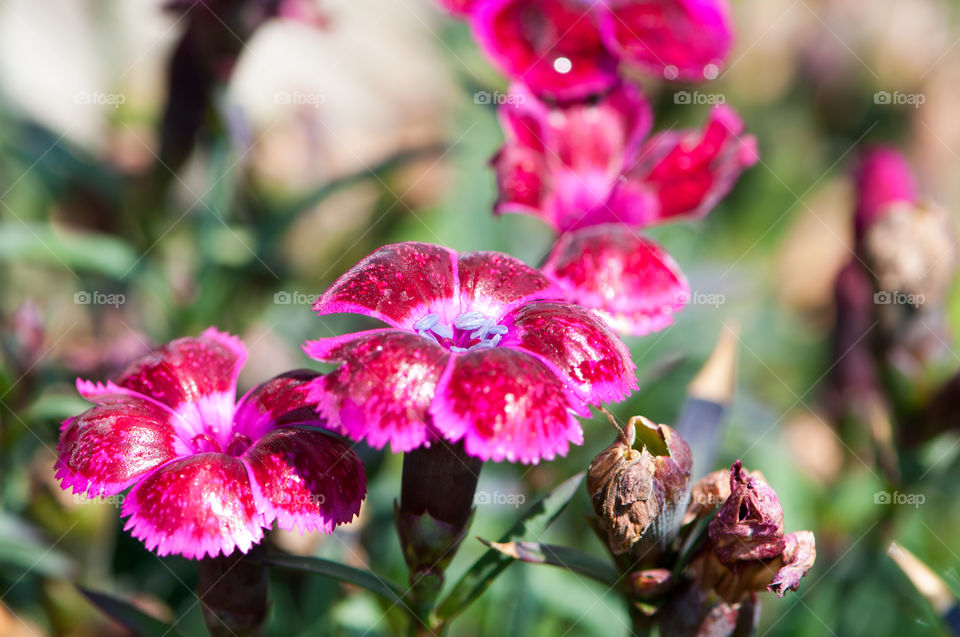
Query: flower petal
(884, 178)
(553, 46)
(506, 405)
(684, 40)
(576, 344)
(563, 162)
(305, 479)
(625, 277)
(690, 172)
(458, 8)
(383, 388)
(396, 284)
(494, 283)
(282, 400)
(198, 506)
(196, 377)
(107, 448)
(798, 557)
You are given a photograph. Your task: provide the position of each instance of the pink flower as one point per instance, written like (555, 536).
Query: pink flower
(584, 164)
(586, 170)
(569, 49)
(884, 179)
(208, 473)
(477, 351)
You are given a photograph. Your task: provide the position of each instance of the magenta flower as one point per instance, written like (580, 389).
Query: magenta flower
(478, 350)
(569, 49)
(584, 164)
(884, 179)
(208, 473)
(586, 170)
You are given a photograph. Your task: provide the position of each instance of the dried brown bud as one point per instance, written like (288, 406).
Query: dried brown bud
(796, 560)
(749, 524)
(640, 486)
(910, 249)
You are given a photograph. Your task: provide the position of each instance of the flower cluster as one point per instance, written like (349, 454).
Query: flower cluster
(577, 152)
(209, 473)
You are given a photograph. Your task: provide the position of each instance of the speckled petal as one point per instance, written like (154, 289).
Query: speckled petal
(196, 377)
(689, 172)
(306, 479)
(383, 387)
(625, 277)
(686, 40)
(397, 284)
(198, 506)
(110, 446)
(282, 400)
(553, 46)
(494, 283)
(576, 344)
(506, 405)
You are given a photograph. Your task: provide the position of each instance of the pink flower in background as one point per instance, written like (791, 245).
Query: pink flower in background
(585, 164)
(884, 179)
(569, 49)
(208, 473)
(478, 350)
(588, 171)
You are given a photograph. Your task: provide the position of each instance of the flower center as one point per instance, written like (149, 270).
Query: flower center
(470, 331)
(205, 443)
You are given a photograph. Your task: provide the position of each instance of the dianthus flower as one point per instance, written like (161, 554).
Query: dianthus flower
(590, 172)
(569, 49)
(208, 473)
(478, 351)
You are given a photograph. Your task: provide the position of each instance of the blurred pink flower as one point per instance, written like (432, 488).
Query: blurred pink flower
(568, 49)
(478, 350)
(588, 171)
(208, 473)
(884, 178)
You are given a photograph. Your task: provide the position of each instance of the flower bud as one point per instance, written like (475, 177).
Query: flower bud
(749, 524)
(640, 492)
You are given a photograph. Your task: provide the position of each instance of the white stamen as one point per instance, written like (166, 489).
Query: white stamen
(427, 322)
(470, 320)
(443, 331)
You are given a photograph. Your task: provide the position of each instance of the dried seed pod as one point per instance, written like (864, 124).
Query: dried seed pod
(749, 524)
(640, 493)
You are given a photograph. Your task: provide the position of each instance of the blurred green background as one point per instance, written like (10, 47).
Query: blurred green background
(329, 141)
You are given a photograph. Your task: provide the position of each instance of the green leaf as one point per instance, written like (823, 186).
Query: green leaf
(25, 547)
(562, 556)
(129, 615)
(60, 248)
(337, 571)
(527, 529)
